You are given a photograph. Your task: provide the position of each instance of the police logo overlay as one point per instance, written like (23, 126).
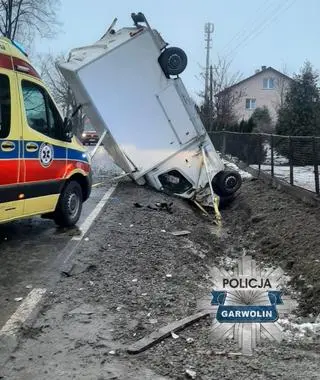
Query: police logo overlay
(247, 303)
(46, 155)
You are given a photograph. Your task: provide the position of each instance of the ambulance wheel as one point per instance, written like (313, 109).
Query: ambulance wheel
(69, 206)
(173, 61)
(226, 183)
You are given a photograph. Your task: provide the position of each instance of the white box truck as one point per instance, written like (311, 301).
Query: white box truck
(129, 86)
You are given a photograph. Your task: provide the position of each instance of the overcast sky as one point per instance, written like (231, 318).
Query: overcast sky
(251, 33)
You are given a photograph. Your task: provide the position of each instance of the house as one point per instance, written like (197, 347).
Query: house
(267, 87)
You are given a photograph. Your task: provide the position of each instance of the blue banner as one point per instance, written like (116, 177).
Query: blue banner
(246, 313)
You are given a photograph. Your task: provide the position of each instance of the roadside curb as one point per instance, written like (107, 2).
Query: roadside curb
(28, 311)
(63, 263)
(24, 316)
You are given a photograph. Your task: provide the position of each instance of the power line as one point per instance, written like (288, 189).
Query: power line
(261, 24)
(250, 22)
(266, 23)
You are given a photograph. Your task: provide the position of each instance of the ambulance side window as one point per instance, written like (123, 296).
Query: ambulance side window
(40, 111)
(5, 106)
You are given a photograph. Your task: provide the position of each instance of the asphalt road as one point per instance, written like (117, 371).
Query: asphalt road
(29, 248)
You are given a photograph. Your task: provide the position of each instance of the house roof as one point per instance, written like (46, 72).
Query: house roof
(253, 76)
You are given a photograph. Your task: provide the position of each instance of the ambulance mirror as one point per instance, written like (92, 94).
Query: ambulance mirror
(67, 125)
(67, 128)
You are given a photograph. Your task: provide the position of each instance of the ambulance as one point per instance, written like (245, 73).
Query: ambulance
(44, 169)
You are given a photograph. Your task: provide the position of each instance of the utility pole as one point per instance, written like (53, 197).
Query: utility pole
(211, 100)
(208, 30)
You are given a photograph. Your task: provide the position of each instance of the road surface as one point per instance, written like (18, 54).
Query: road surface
(29, 248)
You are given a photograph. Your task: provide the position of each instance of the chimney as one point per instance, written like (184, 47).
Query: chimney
(257, 71)
(263, 67)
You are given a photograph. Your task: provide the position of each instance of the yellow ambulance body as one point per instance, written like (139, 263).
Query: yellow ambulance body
(44, 170)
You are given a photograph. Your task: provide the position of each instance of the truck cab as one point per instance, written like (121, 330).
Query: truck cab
(44, 170)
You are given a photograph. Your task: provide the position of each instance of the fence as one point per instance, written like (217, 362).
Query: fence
(294, 159)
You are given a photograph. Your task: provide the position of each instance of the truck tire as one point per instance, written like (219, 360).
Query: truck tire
(69, 206)
(173, 61)
(227, 183)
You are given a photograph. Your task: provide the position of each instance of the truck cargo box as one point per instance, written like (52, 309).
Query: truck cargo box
(129, 86)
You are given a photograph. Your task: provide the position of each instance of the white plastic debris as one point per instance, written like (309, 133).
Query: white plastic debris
(234, 354)
(131, 225)
(163, 230)
(190, 340)
(86, 239)
(180, 233)
(112, 352)
(191, 374)
(174, 336)
(144, 294)
(119, 308)
(135, 280)
(29, 286)
(293, 331)
(18, 299)
(148, 315)
(91, 283)
(153, 321)
(168, 275)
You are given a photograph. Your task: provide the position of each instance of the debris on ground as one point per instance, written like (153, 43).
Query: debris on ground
(162, 333)
(191, 374)
(83, 309)
(180, 233)
(123, 310)
(158, 206)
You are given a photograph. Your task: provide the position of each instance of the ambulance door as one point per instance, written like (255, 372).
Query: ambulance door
(11, 165)
(44, 150)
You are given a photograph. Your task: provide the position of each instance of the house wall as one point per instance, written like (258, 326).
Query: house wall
(253, 89)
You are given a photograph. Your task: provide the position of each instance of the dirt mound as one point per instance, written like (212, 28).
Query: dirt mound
(279, 230)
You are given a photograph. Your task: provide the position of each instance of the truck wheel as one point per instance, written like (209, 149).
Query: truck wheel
(173, 61)
(69, 207)
(227, 183)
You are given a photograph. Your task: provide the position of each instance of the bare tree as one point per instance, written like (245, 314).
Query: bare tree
(217, 111)
(23, 19)
(60, 90)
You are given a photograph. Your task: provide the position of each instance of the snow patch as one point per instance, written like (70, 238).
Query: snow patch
(295, 331)
(233, 166)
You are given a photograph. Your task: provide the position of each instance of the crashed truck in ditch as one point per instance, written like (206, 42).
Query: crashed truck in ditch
(129, 86)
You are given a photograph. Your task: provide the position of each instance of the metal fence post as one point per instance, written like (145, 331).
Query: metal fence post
(272, 156)
(223, 150)
(291, 160)
(260, 150)
(315, 163)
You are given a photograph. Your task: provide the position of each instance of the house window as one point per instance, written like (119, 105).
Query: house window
(250, 104)
(268, 83)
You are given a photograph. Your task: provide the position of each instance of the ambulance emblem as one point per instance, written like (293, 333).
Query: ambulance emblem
(46, 154)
